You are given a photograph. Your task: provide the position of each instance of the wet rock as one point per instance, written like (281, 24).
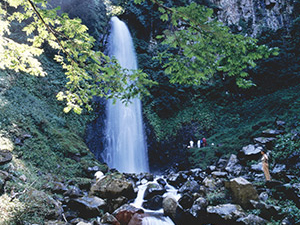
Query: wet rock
(109, 219)
(186, 201)
(162, 182)
(176, 179)
(84, 223)
(170, 206)
(252, 220)
(125, 213)
(88, 207)
(242, 190)
(198, 209)
(5, 157)
(137, 219)
(189, 186)
(155, 203)
(115, 203)
(152, 190)
(113, 186)
(224, 214)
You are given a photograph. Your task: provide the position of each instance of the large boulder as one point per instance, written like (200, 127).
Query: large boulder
(88, 207)
(113, 186)
(242, 190)
(224, 214)
(170, 206)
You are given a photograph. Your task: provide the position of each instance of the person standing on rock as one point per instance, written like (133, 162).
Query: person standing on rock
(265, 165)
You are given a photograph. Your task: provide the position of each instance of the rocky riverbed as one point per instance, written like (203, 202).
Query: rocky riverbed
(232, 191)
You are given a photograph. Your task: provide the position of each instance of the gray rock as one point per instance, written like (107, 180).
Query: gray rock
(170, 206)
(251, 152)
(88, 207)
(113, 186)
(225, 213)
(242, 190)
(257, 167)
(219, 174)
(265, 141)
(199, 207)
(279, 171)
(276, 14)
(189, 186)
(267, 211)
(210, 183)
(107, 218)
(252, 220)
(154, 203)
(272, 133)
(152, 190)
(186, 201)
(232, 166)
(263, 196)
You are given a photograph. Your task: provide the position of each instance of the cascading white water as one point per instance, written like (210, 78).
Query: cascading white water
(126, 148)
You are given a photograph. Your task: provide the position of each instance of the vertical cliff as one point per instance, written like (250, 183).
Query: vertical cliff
(252, 16)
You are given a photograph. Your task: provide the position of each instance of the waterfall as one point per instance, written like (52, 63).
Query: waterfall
(126, 148)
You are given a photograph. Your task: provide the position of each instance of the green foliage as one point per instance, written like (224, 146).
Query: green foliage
(286, 145)
(217, 197)
(200, 46)
(89, 72)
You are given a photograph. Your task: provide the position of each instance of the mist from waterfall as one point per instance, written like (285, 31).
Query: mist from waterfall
(126, 148)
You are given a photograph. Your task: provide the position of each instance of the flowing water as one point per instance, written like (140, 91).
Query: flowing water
(126, 148)
(125, 142)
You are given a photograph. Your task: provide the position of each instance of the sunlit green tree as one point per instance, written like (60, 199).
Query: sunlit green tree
(197, 47)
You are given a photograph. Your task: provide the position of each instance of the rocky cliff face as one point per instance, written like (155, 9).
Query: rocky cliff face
(91, 12)
(252, 16)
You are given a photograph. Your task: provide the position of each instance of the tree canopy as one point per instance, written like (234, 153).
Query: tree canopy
(197, 47)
